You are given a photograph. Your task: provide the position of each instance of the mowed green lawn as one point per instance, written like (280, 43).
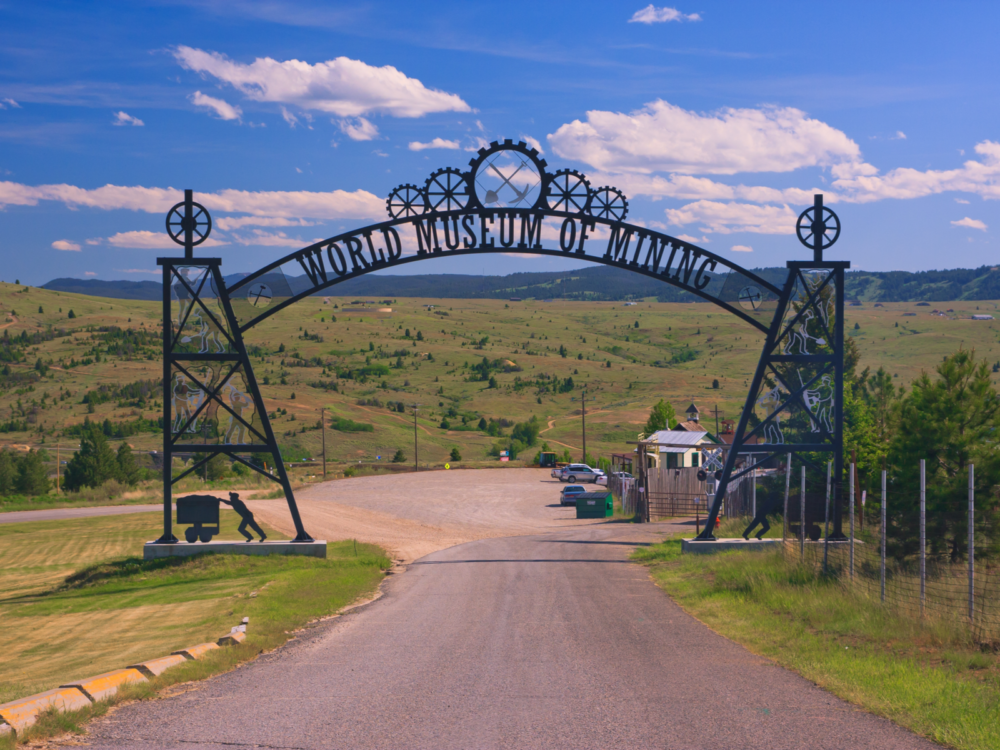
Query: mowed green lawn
(76, 598)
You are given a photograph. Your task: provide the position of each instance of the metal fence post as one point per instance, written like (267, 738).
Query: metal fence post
(784, 517)
(883, 536)
(802, 517)
(753, 487)
(972, 543)
(923, 537)
(826, 517)
(851, 503)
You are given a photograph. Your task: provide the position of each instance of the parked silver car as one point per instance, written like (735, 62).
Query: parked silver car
(569, 494)
(580, 473)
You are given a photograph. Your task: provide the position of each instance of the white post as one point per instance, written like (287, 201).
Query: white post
(784, 516)
(826, 516)
(883, 535)
(851, 503)
(802, 516)
(753, 487)
(923, 537)
(972, 543)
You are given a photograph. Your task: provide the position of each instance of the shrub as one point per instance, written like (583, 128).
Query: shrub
(455, 455)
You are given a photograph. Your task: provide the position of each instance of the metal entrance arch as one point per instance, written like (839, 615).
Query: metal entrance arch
(506, 202)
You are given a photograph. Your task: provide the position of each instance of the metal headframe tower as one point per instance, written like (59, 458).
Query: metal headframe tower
(209, 388)
(795, 403)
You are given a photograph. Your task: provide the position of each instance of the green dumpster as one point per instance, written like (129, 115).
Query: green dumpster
(594, 505)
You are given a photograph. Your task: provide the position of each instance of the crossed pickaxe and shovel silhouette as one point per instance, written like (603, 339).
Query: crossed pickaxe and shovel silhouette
(491, 195)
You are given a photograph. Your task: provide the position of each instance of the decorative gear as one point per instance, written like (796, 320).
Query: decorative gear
(482, 197)
(201, 223)
(406, 201)
(810, 226)
(608, 203)
(568, 190)
(447, 190)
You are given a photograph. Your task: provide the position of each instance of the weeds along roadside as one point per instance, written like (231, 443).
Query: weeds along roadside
(929, 677)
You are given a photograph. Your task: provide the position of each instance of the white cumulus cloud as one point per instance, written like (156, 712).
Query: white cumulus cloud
(662, 137)
(336, 204)
(146, 240)
(4, 103)
(741, 249)
(359, 129)
(533, 142)
(970, 223)
(123, 118)
(436, 143)
(222, 109)
(726, 218)
(66, 245)
(342, 86)
(651, 14)
(272, 239)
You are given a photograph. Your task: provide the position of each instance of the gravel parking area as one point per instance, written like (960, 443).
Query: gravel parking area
(415, 514)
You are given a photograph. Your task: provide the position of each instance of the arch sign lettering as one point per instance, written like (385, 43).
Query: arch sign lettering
(507, 201)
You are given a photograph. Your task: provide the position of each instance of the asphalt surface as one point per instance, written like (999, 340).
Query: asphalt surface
(61, 514)
(545, 641)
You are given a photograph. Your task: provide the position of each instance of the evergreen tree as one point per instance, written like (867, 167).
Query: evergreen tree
(949, 422)
(32, 476)
(661, 417)
(399, 457)
(8, 471)
(217, 467)
(455, 455)
(95, 462)
(128, 469)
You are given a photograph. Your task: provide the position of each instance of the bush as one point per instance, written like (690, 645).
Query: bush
(455, 455)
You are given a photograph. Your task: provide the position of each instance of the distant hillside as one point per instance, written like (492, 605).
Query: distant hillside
(597, 282)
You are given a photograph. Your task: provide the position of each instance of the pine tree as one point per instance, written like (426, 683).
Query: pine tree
(8, 471)
(95, 462)
(455, 455)
(32, 476)
(400, 457)
(128, 469)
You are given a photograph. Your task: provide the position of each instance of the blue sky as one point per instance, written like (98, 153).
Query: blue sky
(294, 120)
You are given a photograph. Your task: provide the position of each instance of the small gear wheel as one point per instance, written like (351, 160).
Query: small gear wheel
(447, 190)
(406, 201)
(608, 203)
(568, 190)
(177, 224)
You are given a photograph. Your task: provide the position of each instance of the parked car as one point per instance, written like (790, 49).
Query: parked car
(580, 473)
(568, 494)
(623, 476)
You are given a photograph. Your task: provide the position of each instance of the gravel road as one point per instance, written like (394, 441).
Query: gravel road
(544, 641)
(413, 515)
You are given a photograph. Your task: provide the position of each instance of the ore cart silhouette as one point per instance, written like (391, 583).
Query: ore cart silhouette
(202, 511)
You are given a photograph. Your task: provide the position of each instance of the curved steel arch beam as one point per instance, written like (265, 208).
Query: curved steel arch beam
(475, 231)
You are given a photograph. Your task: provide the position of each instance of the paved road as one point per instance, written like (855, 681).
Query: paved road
(61, 514)
(545, 641)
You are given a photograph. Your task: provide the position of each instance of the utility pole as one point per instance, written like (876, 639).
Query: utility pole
(716, 412)
(416, 454)
(57, 468)
(584, 427)
(322, 423)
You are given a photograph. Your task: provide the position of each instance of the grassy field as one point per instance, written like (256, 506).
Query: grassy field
(655, 350)
(76, 598)
(928, 677)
